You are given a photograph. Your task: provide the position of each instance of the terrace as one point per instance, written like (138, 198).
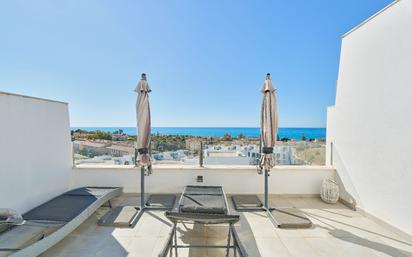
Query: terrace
(372, 217)
(337, 230)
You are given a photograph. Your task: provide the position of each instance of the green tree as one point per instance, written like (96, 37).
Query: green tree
(99, 135)
(285, 139)
(227, 137)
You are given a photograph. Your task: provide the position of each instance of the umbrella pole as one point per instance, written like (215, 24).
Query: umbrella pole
(269, 210)
(142, 205)
(266, 189)
(140, 209)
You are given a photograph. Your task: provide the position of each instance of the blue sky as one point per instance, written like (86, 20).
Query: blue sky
(205, 60)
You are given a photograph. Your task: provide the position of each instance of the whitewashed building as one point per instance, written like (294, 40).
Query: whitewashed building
(284, 154)
(372, 116)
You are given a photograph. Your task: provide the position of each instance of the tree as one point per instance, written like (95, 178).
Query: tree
(99, 135)
(227, 137)
(241, 136)
(119, 131)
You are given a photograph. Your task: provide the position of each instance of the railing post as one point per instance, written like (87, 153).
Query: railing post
(72, 147)
(331, 153)
(135, 157)
(201, 154)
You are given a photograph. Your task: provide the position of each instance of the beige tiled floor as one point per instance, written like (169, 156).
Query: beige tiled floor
(337, 231)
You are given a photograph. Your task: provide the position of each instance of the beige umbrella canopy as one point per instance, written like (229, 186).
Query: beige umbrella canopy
(268, 124)
(143, 121)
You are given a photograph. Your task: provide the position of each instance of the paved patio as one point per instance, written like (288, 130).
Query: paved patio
(337, 231)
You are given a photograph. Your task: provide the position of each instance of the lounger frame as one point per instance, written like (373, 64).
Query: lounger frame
(171, 247)
(45, 243)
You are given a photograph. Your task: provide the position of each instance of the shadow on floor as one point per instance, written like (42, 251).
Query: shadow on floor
(90, 239)
(164, 221)
(354, 239)
(347, 236)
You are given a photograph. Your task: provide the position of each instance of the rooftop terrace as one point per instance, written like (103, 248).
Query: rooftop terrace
(368, 153)
(337, 231)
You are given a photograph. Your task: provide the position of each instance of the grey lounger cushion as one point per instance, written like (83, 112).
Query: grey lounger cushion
(212, 204)
(203, 204)
(203, 199)
(67, 206)
(62, 208)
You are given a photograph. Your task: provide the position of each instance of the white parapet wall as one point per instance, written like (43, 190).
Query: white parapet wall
(35, 151)
(370, 126)
(286, 180)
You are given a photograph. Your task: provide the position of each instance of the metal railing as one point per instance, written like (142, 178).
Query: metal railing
(89, 149)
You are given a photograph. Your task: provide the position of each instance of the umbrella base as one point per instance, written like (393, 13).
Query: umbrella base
(137, 217)
(161, 202)
(288, 217)
(119, 216)
(283, 217)
(155, 202)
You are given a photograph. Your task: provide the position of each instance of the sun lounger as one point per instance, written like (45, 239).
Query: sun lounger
(205, 205)
(50, 222)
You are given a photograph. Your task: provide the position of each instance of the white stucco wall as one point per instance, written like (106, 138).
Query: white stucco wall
(370, 125)
(293, 180)
(35, 151)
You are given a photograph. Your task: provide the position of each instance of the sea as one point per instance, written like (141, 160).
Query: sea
(291, 133)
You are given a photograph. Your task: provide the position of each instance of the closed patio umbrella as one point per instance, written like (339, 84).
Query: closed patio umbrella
(143, 130)
(143, 121)
(268, 129)
(286, 217)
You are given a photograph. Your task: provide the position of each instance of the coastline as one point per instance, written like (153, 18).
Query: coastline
(249, 132)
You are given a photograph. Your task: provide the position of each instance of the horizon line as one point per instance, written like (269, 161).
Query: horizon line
(180, 127)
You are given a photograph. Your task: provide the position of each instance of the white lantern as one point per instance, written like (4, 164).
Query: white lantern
(329, 191)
